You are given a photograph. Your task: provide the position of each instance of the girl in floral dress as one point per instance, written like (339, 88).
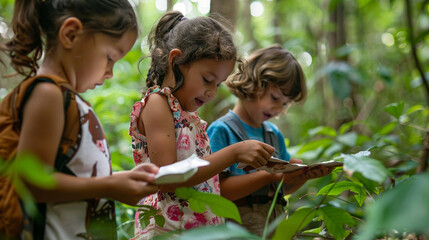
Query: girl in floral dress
(190, 59)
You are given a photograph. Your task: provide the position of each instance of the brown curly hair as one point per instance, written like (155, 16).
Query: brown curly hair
(272, 65)
(36, 23)
(197, 38)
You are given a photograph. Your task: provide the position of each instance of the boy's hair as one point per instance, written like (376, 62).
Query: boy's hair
(267, 66)
(197, 38)
(36, 23)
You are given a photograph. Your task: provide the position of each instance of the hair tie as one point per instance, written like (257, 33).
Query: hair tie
(183, 18)
(149, 73)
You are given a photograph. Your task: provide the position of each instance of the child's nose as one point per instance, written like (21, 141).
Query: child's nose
(211, 92)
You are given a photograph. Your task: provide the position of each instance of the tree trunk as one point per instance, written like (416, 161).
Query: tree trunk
(170, 5)
(248, 27)
(227, 9)
(276, 23)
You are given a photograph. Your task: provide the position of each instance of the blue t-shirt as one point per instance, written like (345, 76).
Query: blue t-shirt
(221, 135)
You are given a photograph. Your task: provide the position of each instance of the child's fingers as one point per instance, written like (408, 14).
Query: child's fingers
(143, 176)
(148, 167)
(270, 149)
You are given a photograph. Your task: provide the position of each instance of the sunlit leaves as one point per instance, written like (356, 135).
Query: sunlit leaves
(369, 168)
(335, 189)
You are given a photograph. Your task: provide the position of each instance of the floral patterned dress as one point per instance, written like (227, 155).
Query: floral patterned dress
(190, 138)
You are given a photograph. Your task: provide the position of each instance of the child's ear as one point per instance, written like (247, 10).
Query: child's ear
(173, 54)
(69, 32)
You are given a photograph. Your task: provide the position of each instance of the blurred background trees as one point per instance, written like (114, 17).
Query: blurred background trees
(366, 64)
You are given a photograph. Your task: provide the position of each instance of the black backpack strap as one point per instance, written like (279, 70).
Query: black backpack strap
(28, 93)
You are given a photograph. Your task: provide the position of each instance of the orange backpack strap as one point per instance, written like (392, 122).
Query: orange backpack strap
(71, 132)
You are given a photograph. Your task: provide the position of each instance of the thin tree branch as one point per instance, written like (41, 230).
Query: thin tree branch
(425, 154)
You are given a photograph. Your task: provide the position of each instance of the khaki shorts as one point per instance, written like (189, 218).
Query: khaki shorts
(253, 217)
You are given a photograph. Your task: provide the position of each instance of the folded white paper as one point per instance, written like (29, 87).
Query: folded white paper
(179, 171)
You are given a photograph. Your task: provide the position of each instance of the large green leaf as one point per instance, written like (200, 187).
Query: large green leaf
(369, 168)
(339, 187)
(298, 220)
(335, 219)
(348, 139)
(322, 130)
(403, 208)
(218, 205)
(33, 170)
(226, 231)
(320, 143)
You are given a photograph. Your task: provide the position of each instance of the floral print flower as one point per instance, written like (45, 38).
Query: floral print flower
(174, 213)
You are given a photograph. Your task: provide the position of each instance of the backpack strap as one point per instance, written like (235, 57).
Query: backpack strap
(271, 139)
(234, 123)
(71, 132)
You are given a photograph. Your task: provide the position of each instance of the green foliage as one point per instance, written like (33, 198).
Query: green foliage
(335, 189)
(226, 231)
(289, 227)
(403, 209)
(27, 168)
(217, 204)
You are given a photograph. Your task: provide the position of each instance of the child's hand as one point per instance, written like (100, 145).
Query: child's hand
(130, 187)
(294, 180)
(295, 161)
(253, 153)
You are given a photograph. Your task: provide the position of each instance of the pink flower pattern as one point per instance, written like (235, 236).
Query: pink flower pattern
(190, 138)
(174, 213)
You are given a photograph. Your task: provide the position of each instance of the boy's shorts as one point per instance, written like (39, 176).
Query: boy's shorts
(253, 216)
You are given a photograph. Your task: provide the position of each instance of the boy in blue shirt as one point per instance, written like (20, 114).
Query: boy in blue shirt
(265, 85)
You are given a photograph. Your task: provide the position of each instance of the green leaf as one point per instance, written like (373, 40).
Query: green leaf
(342, 186)
(31, 169)
(395, 109)
(159, 220)
(335, 219)
(322, 130)
(297, 221)
(369, 168)
(226, 231)
(348, 139)
(218, 205)
(414, 109)
(25, 196)
(404, 208)
(320, 143)
(388, 128)
(371, 186)
(345, 127)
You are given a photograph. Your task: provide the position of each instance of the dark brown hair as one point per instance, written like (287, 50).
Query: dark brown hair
(197, 38)
(272, 65)
(36, 23)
